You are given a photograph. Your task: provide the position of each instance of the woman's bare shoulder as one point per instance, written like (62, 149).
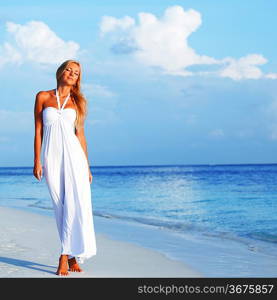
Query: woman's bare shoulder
(45, 94)
(42, 97)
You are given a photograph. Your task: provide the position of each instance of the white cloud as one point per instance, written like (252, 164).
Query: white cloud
(36, 42)
(8, 54)
(109, 24)
(163, 43)
(271, 75)
(245, 67)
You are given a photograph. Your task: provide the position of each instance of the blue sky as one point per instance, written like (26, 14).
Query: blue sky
(167, 82)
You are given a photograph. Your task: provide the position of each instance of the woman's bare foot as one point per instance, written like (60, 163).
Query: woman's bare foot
(73, 265)
(63, 266)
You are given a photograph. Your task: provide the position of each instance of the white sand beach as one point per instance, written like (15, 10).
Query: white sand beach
(29, 247)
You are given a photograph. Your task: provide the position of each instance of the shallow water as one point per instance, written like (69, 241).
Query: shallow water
(234, 203)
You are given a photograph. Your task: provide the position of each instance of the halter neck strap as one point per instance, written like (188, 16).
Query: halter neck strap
(58, 100)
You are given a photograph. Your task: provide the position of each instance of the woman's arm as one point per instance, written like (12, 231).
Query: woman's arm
(37, 171)
(38, 126)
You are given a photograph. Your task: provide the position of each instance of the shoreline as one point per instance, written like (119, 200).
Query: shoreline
(198, 255)
(30, 247)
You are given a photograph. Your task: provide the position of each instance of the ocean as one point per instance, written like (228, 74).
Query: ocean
(164, 207)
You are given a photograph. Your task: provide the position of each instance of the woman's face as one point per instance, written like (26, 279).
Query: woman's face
(71, 74)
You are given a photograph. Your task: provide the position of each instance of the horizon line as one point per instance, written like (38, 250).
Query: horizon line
(161, 165)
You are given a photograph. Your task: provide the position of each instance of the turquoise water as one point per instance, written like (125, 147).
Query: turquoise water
(235, 202)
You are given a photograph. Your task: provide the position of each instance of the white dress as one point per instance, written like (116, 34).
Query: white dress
(66, 172)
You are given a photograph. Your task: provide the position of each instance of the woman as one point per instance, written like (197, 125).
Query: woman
(59, 136)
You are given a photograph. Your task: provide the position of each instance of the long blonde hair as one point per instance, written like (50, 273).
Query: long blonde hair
(79, 99)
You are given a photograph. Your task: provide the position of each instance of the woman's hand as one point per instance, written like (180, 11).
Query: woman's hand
(37, 171)
(90, 176)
